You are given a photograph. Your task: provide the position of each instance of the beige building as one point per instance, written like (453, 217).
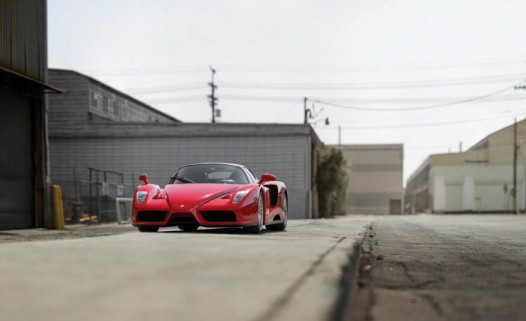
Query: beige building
(477, 180)
(376, 178)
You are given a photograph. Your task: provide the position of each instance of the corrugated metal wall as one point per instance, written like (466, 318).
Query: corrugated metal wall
(16, 162)
(22, 37)
(286, 157)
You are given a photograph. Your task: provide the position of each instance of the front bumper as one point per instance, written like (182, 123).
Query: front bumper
(209, 215)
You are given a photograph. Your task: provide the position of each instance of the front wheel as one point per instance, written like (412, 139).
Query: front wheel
(256, 229)
(151, 229)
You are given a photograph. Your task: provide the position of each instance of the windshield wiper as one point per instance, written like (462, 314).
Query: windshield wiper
(183, 179)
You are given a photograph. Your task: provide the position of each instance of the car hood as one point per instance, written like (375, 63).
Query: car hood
(183, 197)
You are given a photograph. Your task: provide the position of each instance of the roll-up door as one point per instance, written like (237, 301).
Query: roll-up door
(16, 170)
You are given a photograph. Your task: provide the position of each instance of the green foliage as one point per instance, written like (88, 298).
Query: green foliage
(332, 179)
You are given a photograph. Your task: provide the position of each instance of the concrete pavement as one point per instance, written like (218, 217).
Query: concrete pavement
(71, 231)
(220, 274)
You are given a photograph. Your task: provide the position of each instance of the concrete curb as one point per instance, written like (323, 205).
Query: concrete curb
(325, 292)
(341, 307)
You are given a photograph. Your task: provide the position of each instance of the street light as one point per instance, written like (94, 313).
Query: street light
(308, 114)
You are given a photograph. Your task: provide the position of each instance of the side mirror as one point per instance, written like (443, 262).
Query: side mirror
(144, 178)
(265, 177)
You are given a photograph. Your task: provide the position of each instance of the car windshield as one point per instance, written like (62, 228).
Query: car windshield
(210, 174)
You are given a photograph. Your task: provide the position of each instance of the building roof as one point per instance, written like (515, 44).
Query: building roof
(12, 79)
(482, 141)
(371, 147)
(111, 89)
(457, 155)
(103, 130)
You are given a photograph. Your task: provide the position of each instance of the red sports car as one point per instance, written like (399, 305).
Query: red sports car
(211, 195)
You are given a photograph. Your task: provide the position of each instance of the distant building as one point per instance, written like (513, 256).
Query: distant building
(376, 178)
(477, 180)
(24, 192)
(96, 151)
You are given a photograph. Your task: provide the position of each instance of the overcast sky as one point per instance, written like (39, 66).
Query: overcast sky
(428, 74)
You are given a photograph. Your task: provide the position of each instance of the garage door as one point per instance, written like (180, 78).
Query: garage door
(16, 170)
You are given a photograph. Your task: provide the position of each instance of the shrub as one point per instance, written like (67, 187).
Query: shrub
(332, 179)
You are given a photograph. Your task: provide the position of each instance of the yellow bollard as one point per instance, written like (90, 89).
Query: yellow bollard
(58, 208)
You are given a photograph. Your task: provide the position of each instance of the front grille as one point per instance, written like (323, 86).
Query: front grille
(182, 219)
(219, 216)
(151, 216)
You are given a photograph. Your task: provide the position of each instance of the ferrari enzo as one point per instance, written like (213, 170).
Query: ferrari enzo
(211, 195)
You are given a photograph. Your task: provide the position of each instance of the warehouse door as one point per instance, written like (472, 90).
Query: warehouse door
(395, 207)
(16, 170)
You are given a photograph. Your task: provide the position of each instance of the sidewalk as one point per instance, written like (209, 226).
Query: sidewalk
(71, 231)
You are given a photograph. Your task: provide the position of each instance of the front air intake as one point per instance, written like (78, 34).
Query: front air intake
(151, 216)
(182, 219)
(219, 216)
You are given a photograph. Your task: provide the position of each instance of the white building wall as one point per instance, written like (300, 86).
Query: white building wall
(484, 188)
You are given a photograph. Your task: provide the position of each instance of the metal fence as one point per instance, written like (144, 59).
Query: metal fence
(96, 200)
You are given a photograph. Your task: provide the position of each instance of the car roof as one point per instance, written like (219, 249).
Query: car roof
(214, 163)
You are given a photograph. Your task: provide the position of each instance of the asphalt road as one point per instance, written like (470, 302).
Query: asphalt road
(219, 274)
(431, 267)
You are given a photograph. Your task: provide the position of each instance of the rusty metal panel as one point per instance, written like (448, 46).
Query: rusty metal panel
(23, 37)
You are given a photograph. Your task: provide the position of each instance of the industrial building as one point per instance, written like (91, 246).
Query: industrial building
(97, 150)
(376, 178)
(88, 100)
(480, 179)
(23, 88)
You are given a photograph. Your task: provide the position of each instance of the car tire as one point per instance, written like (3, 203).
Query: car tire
(283, 225)
(148, 229)
(188, 228)
(256, 229)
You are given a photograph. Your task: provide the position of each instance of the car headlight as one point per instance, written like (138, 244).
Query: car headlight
(141, 196)
(239, 196)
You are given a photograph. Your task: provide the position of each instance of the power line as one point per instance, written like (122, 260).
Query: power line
(149, 90)
(378, 85)
(290, 99)
(338, 86)
(374, 67)
(365, 100)
(414, 108)
(143, 71)
(453, 122)
(521, 59)
(176, 100)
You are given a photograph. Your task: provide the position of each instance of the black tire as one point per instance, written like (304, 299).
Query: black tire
(283, 225)
(148, 229)
(256, 229)
(188, 228)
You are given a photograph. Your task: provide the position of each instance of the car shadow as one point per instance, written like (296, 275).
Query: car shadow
(219, 230)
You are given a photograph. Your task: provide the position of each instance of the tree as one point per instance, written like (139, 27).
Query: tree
(331, 181)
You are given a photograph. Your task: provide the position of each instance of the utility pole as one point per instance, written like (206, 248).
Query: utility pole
(515, 148)
(305, 111)
(212, 99)
(339, 135)
(515, 207)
